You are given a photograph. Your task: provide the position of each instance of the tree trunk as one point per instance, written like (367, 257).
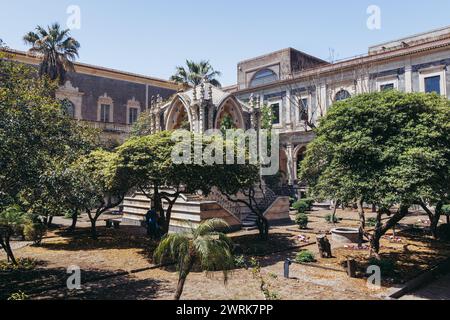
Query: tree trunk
(49, 222)
(182, 279)
(362, 222)
(74, 220)
(7, 247)
(93, 229)
(263, 227)
(166, 226)
(333, 215)
(381, 229)
(434, 218)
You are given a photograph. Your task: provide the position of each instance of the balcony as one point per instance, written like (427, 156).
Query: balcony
(108, 126)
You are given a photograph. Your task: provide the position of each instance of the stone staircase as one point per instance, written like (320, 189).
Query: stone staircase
(265, 197)
(192, 209)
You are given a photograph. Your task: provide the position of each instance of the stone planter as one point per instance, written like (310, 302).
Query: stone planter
(346, 235)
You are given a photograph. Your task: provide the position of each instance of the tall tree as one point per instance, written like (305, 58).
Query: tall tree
(205, 246)
(35, 135)
(195, 73)
(370, 149)
(105, 186)
(148, 163)
(57, 49)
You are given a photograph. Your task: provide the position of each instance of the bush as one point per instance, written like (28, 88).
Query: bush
(371, 222)
(23, 264)
(34, 232)
(331, 218)
(18, 296)
(310, 203)
(240, 262)
(301, 206)
(446, 210)
(305, 257)
(302, 220)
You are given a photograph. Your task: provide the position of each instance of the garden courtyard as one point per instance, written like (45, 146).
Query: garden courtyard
(119, 264)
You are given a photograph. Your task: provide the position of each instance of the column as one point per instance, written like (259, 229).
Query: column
(157, 122)
(288, 107)
(408, 79)
(290, 164)
(201, 120)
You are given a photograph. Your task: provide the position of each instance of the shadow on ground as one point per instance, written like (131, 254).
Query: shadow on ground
(45, 283)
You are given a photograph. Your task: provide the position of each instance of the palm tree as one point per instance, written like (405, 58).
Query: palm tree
(196, 73)
(204, 246)
(57, 48)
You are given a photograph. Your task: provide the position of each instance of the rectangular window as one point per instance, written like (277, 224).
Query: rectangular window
(387, 87)
(105, 110)
(433, 84)
(303, 109)
(275, 113)
(133, 115)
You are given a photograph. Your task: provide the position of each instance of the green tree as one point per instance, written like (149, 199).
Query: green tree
(57, 49)
(365, 152)
(195, 73)
(148, 164)
(105, 185)
(205, 246)
(35, 135)
(12, 222)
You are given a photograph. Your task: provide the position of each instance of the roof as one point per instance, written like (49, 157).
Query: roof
(80, 67)
(415, 48)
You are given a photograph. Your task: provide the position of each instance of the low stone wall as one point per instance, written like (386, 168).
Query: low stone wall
(278, 212)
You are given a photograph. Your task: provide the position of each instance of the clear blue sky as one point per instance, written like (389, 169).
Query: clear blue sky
(152, 37)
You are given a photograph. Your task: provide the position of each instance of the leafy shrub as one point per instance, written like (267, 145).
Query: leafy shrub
(446, 209)
(23, 264)
(18, 296)
(34, 232)
(301, 206)
(371, 222)
(309, 202)
(240, 262)
(305, 257)
(292, 200)
(302, 220)
(330, 218)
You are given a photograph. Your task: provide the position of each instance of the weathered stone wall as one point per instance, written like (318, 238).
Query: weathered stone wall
(119, 91)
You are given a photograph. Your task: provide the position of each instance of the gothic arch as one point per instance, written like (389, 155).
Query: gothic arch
(298, 153)
(178, 112)
(233, 108)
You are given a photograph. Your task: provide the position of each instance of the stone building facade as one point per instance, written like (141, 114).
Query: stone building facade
(107, 99)
(301, 88)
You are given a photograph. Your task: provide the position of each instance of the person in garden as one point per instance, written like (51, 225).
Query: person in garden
(151, 219)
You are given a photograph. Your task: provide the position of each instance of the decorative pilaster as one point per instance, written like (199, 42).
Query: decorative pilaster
(201, 120)
(408, 79)
(290, 164)
(288, 107)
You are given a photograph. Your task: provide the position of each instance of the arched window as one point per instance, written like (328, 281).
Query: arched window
(263, 77)
(68, 108)
(342, 95)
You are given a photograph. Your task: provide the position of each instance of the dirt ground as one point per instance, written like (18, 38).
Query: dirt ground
(106, 265)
